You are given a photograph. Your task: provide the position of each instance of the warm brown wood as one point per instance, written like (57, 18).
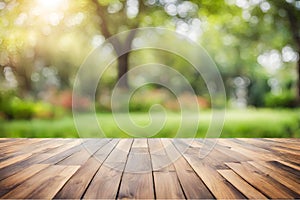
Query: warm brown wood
(188, 178)
(214, 181)
(14, 160)
(283, 178)
(264, 183)
(149, 168)
(293, 166)
(164, 173)
(167, 186)
(9, 183)
(159, 158)
(83, 155)
(78, 183)
(44, 184)
(106, 182)
(138, 173)
(241, 184)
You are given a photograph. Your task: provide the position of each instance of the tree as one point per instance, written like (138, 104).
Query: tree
(277, 24)
(33, 39)
(116, 16)
(248, 29)
(292, 12)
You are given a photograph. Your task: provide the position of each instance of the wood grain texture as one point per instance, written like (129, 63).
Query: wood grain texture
(241, 184)
(106, 182)
(44, 184)
(138, 173)
(9, 183)
(262, 182)
(188, 178)
(149, 168)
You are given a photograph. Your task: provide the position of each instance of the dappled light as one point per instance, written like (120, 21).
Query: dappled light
(254, 45)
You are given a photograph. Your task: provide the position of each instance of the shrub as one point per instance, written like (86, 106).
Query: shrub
(12, 107)
(19, 109)
(285, 99)
(5, 99)
(43, 111)
(144, 100)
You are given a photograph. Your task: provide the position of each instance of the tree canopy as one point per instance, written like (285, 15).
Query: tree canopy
(255, 43)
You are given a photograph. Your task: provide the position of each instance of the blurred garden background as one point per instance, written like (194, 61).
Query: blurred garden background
(254, 43)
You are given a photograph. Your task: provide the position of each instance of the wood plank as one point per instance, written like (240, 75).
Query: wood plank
(164, 173)
(66, 151)
(18, 166)
(206, 169)
(269, 144)
(291, 165)
(120, 152)
(167, 186)
(106, 182)
(241, 185)
(285, 141)
(18, 142)
(78, 183)
(138, 186)
(280, 168)
(192, 185)
(265, 184)
(286, 168)
(282, 178)
(217, 156)
(137, 180)
(9, 183)
(159, 158)
(139, 154)
(80, 157)
(168, 168)
(229, 152)
(255, 154)
(14, 159)
(214, 181)
(44, 184)
(140, 143)
(65, 147)
(61, 155)
(102, 153)
(43, 146)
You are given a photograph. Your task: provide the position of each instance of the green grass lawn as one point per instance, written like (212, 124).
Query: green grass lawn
(238, 123)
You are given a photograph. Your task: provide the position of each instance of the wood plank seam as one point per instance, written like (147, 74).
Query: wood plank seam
(182, 155)
(184, 193)
(94, 175)
(272, 170)
(119, 186)
(151, 168)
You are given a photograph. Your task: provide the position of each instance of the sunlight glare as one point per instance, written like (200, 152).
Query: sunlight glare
(51, 4)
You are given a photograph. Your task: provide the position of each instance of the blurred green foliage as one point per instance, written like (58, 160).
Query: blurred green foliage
(44, 42)
(12, 107)
(285, 99)
(255, 45)
(247, 123)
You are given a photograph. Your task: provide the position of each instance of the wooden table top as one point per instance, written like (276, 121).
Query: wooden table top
(149, 168)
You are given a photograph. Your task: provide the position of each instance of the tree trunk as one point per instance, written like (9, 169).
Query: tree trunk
(122, 70)
(298, 82)
(294, 27)
(122, 50)
(119, 46)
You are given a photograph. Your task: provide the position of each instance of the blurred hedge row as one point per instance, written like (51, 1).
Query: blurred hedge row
(12, 107)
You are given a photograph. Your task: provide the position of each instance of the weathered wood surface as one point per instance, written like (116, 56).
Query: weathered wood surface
(146, 168)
